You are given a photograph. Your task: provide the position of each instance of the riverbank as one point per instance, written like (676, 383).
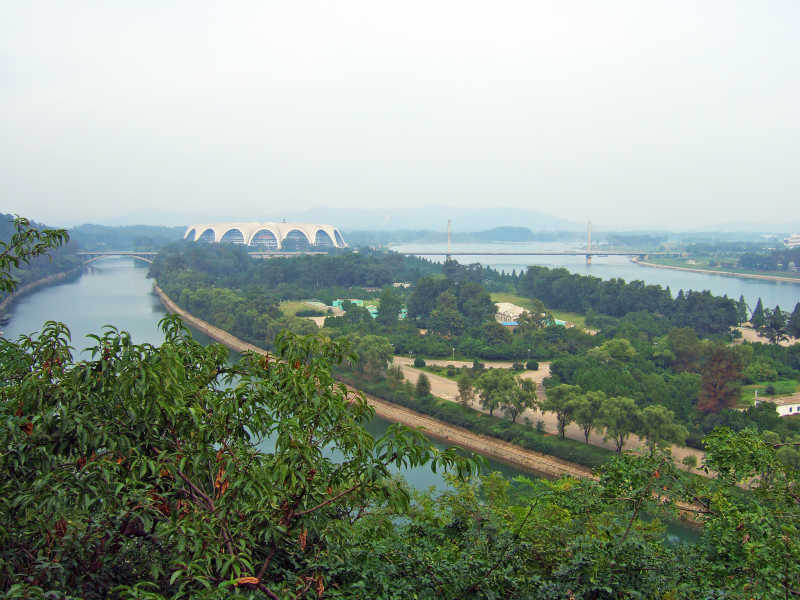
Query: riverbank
(540, 464)
(775, 278)
(35, 285)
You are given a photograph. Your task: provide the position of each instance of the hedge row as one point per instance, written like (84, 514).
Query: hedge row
(478, 422)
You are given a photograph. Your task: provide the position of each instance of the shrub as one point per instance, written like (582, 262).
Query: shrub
(309, 312)
(451, 371)
(517, 366)
(419, 362)
(532, 365)
(769, 390)
(423, 386)
(477, 365)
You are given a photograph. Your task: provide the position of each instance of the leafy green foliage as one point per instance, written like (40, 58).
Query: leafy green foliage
(148, 463)
(21, 252)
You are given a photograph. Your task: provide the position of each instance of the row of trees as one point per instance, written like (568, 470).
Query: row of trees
(617, 415)
(559, 289)
(776, 325)
(775, 260)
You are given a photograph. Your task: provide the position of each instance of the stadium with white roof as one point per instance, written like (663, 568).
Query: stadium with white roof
(268, 236)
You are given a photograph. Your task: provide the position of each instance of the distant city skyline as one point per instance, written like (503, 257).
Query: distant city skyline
(670, 115)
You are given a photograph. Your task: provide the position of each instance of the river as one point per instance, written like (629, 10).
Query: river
(784, 294)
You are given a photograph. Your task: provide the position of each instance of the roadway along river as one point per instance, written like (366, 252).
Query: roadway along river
(772, 293)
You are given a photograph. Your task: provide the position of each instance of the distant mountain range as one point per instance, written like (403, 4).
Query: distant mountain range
(434, 218)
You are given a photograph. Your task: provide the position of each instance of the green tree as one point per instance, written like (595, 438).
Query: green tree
(587, 410)
(423, 388)
(147, 473)
(757, 318)
(495, 334)
(774, 327)
(466, 393)
(389, 308)
(521, 396)
(793, 326)
(493, 386)
(25, 244)
(741, 310)
(690, 461)
(620, 417)
(686, 348)
(657, 426)
(619, 350)
(561, 400)
(374, 354)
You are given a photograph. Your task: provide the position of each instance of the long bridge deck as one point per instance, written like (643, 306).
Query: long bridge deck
(546, 253)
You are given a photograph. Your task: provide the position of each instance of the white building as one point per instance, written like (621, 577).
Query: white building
(268, 236)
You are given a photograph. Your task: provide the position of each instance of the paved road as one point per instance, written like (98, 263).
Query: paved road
(448, 389)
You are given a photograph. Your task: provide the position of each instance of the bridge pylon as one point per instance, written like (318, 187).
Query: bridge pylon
(589, 243)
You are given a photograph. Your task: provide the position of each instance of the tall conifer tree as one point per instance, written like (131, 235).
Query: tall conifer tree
(757, 318)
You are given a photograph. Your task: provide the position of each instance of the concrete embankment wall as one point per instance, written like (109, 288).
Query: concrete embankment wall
(34, 285)
(541, 464)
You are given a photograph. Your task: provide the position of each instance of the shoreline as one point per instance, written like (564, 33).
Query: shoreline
(775, 278)
(35, 285)
(505, 452)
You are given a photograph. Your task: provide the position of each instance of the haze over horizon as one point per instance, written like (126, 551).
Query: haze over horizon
(662, 115)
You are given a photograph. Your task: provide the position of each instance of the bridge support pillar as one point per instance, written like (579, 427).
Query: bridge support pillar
(588, 259)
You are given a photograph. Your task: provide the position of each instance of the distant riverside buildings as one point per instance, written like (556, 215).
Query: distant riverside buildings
(268, 236)
(793, 241)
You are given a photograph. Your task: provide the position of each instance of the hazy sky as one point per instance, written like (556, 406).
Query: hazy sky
(652, 113)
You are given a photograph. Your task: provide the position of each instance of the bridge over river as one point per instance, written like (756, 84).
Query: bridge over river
(642, 254)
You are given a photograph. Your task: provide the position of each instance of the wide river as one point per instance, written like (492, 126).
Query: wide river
(772, 293)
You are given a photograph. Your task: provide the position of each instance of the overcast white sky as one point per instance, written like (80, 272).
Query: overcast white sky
(629, 113)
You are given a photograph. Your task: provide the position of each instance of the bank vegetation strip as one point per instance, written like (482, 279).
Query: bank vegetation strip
(493, 448)
(777, 278)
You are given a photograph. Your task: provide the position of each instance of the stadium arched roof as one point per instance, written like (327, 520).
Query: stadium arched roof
(215, 232)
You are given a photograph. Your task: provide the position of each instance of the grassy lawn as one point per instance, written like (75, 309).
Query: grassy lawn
(783, 387)
(291, 307)
(571, 317)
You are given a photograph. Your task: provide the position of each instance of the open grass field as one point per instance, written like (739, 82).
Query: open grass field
(290, 307)
(571, 317)
(783, 387)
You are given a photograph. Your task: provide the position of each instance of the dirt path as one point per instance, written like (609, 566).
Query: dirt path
(448, 389)
(751, 335)
(499, 450)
